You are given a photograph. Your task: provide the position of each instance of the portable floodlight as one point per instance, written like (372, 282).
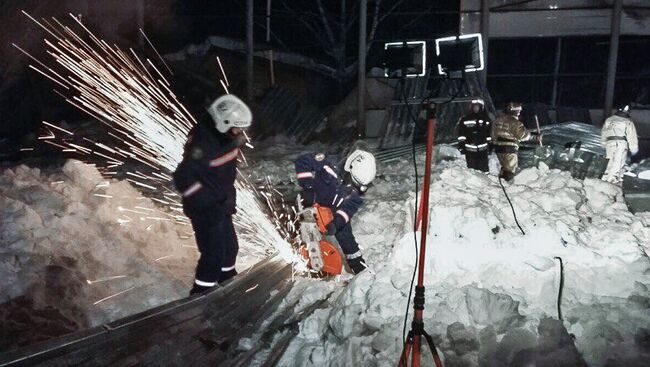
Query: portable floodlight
(405, 59)
(457, 55)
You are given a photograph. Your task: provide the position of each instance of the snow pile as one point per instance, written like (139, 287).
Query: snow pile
(78, 250)
(490, 289)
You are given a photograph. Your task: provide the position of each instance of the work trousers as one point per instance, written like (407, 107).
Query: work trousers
(348, 243)
(509, 162)
(217, 243)
(616, 152)
(477, 160)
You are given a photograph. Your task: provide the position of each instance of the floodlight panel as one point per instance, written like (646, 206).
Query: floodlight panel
(423, 61)
(477, 64)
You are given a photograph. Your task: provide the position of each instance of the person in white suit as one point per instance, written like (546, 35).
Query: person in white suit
(619, 137)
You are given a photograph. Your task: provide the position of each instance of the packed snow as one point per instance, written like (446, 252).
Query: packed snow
(78, 250)
(491, 291)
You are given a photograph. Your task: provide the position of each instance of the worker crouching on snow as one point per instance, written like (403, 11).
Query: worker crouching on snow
(322, 183)
(206, 179)
(474, 136)
(619, 136)
(507, 133)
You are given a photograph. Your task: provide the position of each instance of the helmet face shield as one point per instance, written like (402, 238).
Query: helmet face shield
(514, 109)
(229, 111)
(362, 168)
(477, 103)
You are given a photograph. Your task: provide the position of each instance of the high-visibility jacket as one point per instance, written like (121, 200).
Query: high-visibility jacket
(508, 131)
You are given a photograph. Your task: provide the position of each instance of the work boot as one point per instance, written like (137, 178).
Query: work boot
(226, 275)
(357, 265)
(507, 175)
(198, 289)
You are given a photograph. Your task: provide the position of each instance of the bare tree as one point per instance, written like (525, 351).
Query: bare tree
(332, 30)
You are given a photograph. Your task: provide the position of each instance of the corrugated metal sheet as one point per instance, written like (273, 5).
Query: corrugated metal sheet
(636, 190)
(570, 146)
(283, 112)
(400, 128)
(399, 125)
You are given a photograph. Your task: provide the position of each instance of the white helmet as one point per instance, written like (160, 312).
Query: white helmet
(229, 111)
(362, 168)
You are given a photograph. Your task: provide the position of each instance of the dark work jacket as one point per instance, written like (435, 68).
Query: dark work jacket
(206, 176)
(317, 172)
(474, 132)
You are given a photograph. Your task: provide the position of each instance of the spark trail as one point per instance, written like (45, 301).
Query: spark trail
(147, 126)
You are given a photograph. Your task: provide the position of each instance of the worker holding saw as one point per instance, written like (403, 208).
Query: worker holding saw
(324, 187)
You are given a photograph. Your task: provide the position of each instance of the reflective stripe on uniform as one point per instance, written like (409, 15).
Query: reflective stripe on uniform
(192, 189)
(476, 147)
(229, 268)
(469, 122)
(616, 138)
(220, 161)
(304, 175)
(330, 171)
(462, 138)
(353, 256)
(344, 215)
(204, 284)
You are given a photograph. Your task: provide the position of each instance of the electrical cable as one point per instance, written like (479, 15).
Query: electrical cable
(415, 168)
(511, 207)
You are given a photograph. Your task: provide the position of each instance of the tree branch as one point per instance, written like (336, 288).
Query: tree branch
(326, 24)
(398, 3)
(314, 31)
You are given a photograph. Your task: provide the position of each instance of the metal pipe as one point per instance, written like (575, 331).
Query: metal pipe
(249, 51)
(361, 113)
(556, 71)
(613, 58)
(485, 33)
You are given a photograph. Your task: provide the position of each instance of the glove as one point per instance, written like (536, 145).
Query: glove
(634, 152)
(239, 140)
(307, 197)
(461, 148)
(331, 229)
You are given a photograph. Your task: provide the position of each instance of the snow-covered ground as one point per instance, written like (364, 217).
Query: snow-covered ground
(491, 291)
(77, 250)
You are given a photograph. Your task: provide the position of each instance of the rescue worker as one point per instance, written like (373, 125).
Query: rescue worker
(619, 136)
(342, 192)
(205, 178)
(474, 136)
(507, 133)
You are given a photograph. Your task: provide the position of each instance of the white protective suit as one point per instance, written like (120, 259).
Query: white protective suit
(619, 136)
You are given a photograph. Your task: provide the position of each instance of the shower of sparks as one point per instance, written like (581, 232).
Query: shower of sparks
(147, 127)
(105, 279)
(113, 295)
(224, 87)
(225, 77)
(156, 51)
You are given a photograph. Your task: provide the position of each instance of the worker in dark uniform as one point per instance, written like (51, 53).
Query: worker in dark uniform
(322, 183)
(205, 178)
(474, 136)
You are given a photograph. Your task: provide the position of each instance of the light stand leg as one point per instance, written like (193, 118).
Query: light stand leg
(414, 339)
